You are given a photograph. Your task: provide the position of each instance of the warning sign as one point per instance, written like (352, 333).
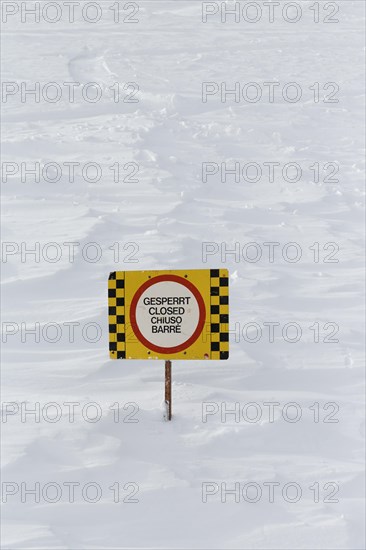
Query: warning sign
(169, 314)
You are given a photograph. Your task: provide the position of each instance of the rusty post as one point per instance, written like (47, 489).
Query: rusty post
(168, 389)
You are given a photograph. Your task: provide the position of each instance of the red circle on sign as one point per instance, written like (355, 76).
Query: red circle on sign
(201, 308)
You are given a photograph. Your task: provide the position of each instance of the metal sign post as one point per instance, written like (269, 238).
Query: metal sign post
(168, 389)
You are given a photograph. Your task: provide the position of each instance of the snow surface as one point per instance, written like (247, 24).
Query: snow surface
(169, 213)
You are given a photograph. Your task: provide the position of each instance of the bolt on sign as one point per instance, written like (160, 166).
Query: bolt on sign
(167, 315)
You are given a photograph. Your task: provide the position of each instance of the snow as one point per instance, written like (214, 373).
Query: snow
(164, 216)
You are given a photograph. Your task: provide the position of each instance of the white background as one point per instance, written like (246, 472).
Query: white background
(167, 215)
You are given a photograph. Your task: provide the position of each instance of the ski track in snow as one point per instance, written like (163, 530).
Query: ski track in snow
(169, 213)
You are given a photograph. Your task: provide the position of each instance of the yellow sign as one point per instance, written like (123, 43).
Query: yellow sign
(180, 314)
